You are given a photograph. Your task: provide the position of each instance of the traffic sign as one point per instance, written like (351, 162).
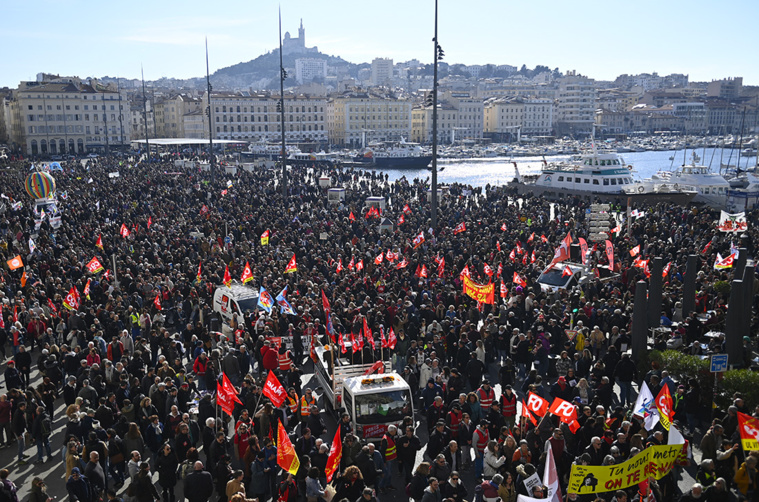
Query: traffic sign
(719, 363)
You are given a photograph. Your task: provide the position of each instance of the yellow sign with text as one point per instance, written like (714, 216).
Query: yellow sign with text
(483, 294)
(654, 461)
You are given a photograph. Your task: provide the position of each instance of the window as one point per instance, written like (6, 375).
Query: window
(613, 181)
(561, 178)
(595, 182)
(586, 181)
(606, 181)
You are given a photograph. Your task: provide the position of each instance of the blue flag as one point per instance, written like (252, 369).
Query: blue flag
(284, 305)
(265, 300)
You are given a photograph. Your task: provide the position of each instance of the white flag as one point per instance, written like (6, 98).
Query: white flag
(551, 478)
(675, 437)
(32, 247)
(645, 408)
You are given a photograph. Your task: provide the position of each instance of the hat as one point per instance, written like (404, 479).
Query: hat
(746, 339)
(75, 470)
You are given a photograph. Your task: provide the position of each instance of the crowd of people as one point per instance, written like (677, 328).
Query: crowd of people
(130, 373)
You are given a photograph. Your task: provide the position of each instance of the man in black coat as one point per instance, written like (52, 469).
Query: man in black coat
(23, 363)
(198, 485)
(13, 377)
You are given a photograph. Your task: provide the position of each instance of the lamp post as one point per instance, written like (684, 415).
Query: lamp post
(282, 77)
(438, 55)
(210, 122)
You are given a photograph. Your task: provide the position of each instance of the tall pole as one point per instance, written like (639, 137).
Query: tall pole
(434, 129)
(121, 111)
(145, 113)
(210, 122)
(282, 76)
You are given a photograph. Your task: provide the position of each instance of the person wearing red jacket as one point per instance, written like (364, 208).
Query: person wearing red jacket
(199, 368)
(269, 357)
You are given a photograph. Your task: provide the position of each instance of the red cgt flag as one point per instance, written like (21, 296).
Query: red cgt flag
(291, 266)
(391, 339)
(226, 395)
(124, 231)
(461, 227)
(519, 280)
(335, 455)
(157, 301)
(274, 391)
(227, 277)
(247, 274)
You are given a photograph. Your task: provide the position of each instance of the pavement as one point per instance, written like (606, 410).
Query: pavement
(53, 471)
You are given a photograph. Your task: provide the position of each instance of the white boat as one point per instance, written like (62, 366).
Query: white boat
(599, 177)
(711, 188)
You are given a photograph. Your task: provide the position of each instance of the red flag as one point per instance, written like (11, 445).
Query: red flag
(383, 340)
(498, 245)
(665, 272)
(748, 427)
(583, 250)
(635, 250)
(247, 274)
(339, 266)
(49, 304)
(441, 267)
(526, 413)
(227, 277)
(274, 390)
(360, 265)
(368, 334)
(531, 237)
(504, 291)
(335, 455)
(513, 255)
(566, 412)
(610, 254)
(401, 220)
(706, 248)
(532, 258)
(198, 277)
(465, 273)
(461, 227)
(519, 280)
(265, 238)
(664, 406)
(341, 342)
(203, 210)
(567, 271)
(291, 266)
(423, 272)
(99, 243)
(418, 240)
(524, 259)
(15, 309)
(379, 258)
(124, 231)
(107, 275)
(407, 209)
(543, 238)
(150, 221)
(86, 289)
(401, 264)
(287, 459)
(351, 264)
(157, 301)
(226, 395)
(94, 266)
(391, 339)
(351, 217)
(71, 302)
(488, 270)
(503, 227)
(537, 404)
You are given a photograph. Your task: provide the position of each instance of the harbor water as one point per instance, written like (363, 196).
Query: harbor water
(500, 170)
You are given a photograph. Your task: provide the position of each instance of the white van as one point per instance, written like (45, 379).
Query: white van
(234, 300)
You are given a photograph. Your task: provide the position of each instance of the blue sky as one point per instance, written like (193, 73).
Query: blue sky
(601, 39)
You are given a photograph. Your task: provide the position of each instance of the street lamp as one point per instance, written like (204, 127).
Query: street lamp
(438, 55)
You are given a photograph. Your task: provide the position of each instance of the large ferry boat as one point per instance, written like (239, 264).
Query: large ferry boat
(599, 177)
(400, 155)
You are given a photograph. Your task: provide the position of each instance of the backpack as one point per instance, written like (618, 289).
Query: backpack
(47, 427)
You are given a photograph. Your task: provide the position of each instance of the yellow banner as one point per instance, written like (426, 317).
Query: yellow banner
(654, 461)
(483, 294)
